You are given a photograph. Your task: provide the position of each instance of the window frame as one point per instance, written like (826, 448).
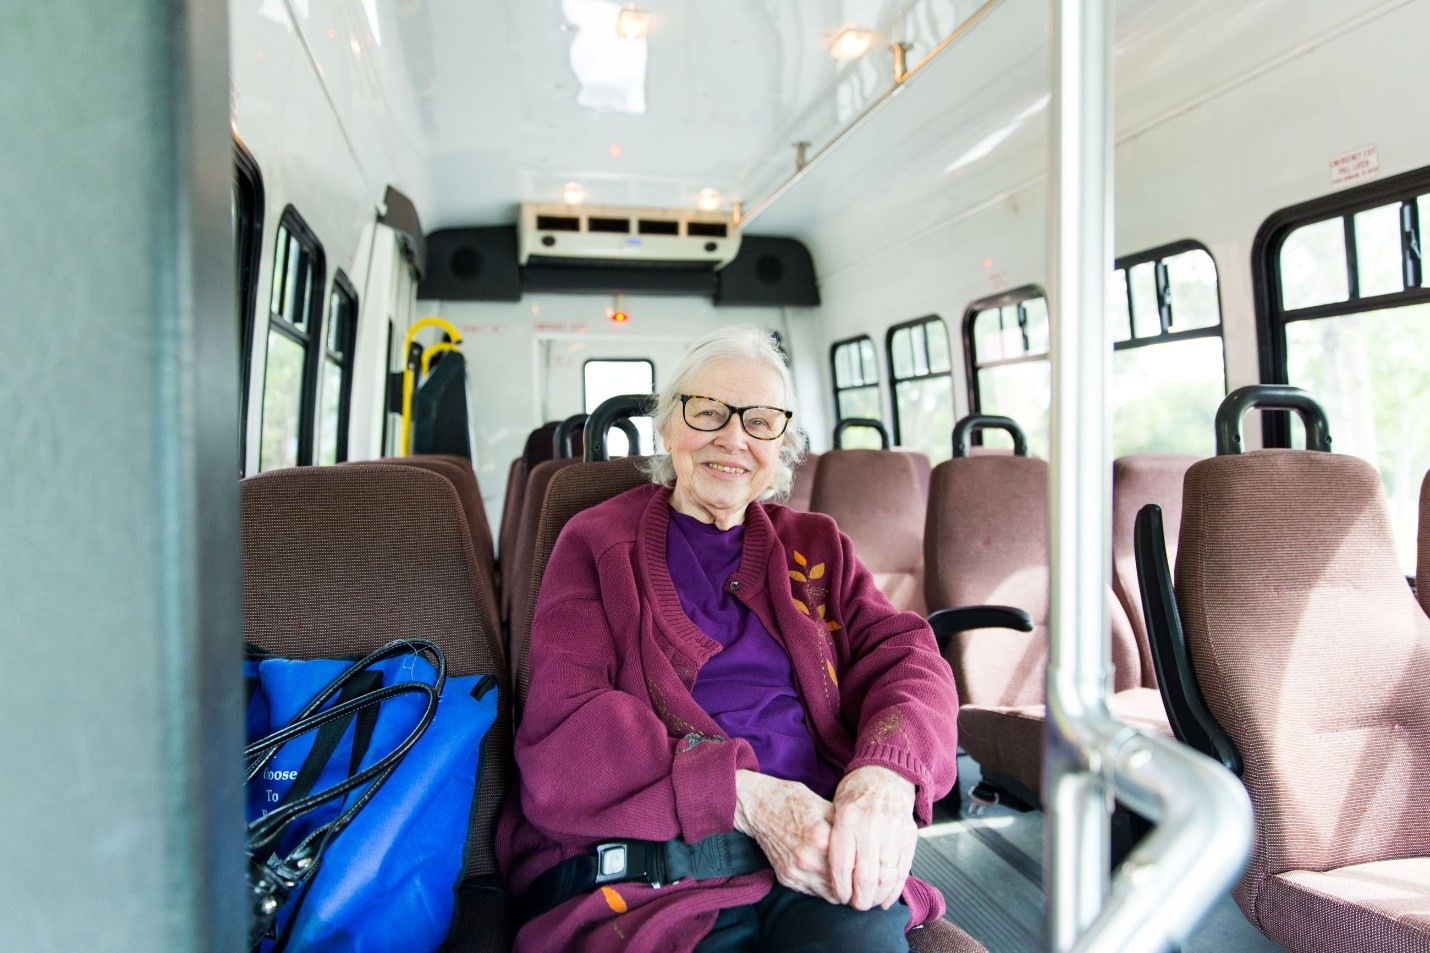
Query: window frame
(248, 253)
(877, 383)
(342, 285)
(1159, 254)
(616, 360)
(1272, 317)
(971, 367)
(895, 380)
(311, 340)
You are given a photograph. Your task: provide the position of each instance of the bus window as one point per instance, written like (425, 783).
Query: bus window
(856, 389)
(603, 378)
(336, 385)
(1168, 367)
(294, 310)
(921, 371)
(1344, 312)
(1005, 338)
(247, 223)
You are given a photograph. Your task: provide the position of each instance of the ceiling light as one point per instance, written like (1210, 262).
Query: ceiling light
(851, 43)
(573, 193)
(632, 23)
(708, 200)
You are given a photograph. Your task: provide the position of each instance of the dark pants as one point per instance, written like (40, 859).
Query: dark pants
(790, 922)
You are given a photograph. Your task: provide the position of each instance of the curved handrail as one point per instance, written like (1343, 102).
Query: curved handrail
(1270, 397)
(604, 417)
(633, 436)
(869, 422)
(563, 440)
(963, 432)
(409, 377)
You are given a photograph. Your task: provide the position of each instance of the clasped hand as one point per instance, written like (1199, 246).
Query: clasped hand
(856, 850)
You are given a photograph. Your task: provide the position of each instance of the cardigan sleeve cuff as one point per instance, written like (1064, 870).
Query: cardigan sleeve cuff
(906, 766)
(703, 776)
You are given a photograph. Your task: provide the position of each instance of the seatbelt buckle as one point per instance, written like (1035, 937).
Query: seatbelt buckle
(626, 861)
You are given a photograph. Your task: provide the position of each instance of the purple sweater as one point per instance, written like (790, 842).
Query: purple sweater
(748, 685)
(613, 744)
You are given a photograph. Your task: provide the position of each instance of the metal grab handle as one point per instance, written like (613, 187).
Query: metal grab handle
(563, 440)
(963, 432)
(612, 412)
(869, 422)
(1270, 397)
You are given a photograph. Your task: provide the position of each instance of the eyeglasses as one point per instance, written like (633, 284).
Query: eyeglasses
(709, 414)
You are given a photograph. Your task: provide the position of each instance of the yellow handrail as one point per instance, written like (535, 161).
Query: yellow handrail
(409, 381)
(433, 351)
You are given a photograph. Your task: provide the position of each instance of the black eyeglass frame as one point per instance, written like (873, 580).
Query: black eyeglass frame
(734, 412)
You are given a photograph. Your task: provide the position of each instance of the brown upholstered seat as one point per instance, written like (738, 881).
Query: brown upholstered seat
(986, 543)
(340, 560)
(801, 491)
(1315, 659)
(922, 468)
(1139, 479)
(583, 485)
(540, 446)
(877, 500)
(1422, 558)
(459, 472)
(521, 588)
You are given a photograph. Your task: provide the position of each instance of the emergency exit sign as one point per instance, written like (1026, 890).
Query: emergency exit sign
(1362, 163)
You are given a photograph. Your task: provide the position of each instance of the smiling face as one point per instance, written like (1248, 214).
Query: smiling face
(719, 473)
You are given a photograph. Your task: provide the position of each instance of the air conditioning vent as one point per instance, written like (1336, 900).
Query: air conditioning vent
(558, 223)
(705, 229)
(615, 226)
(660, 238)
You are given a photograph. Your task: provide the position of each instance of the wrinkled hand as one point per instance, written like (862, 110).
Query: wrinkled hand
(872, 845)
(792, 825)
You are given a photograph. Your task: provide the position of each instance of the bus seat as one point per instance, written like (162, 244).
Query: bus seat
(577, 486)
(1139, 479)
(340, 560)
(801, 491)
(538, 447)
(459, 472)
(922, 468)
(1422, 559)
(520, 589)
(1315, 659)
(986, 547)
(875, 497)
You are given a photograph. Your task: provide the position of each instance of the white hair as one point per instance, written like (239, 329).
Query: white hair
(743, 343)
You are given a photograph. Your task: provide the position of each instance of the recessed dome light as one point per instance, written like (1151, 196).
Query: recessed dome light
(850, 43)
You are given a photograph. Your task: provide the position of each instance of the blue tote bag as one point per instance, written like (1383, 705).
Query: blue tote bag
(361, 781)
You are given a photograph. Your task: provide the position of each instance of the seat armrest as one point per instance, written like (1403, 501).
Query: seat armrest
(946, 622)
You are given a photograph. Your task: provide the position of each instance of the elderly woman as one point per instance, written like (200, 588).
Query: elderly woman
(730, 736)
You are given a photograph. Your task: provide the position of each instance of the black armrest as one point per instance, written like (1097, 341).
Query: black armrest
(946, 622)
(1192, 721)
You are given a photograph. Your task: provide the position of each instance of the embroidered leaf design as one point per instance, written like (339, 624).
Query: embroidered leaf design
(822, 607)
(799, 558)
(829, 669)
(833, 626)
(797, 575)
(614, 900)
(801, 607)
(817, 572)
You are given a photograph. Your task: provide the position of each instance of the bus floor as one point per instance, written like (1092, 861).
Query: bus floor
(990, 871)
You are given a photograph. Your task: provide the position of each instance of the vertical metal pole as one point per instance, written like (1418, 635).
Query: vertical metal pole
(1076, 868)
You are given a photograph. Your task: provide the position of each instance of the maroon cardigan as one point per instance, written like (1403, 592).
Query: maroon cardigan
(612, 744)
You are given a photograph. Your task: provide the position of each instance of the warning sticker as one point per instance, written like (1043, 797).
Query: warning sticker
(1362, 163)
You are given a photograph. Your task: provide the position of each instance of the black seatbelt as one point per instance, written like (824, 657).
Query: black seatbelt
(657, 863)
